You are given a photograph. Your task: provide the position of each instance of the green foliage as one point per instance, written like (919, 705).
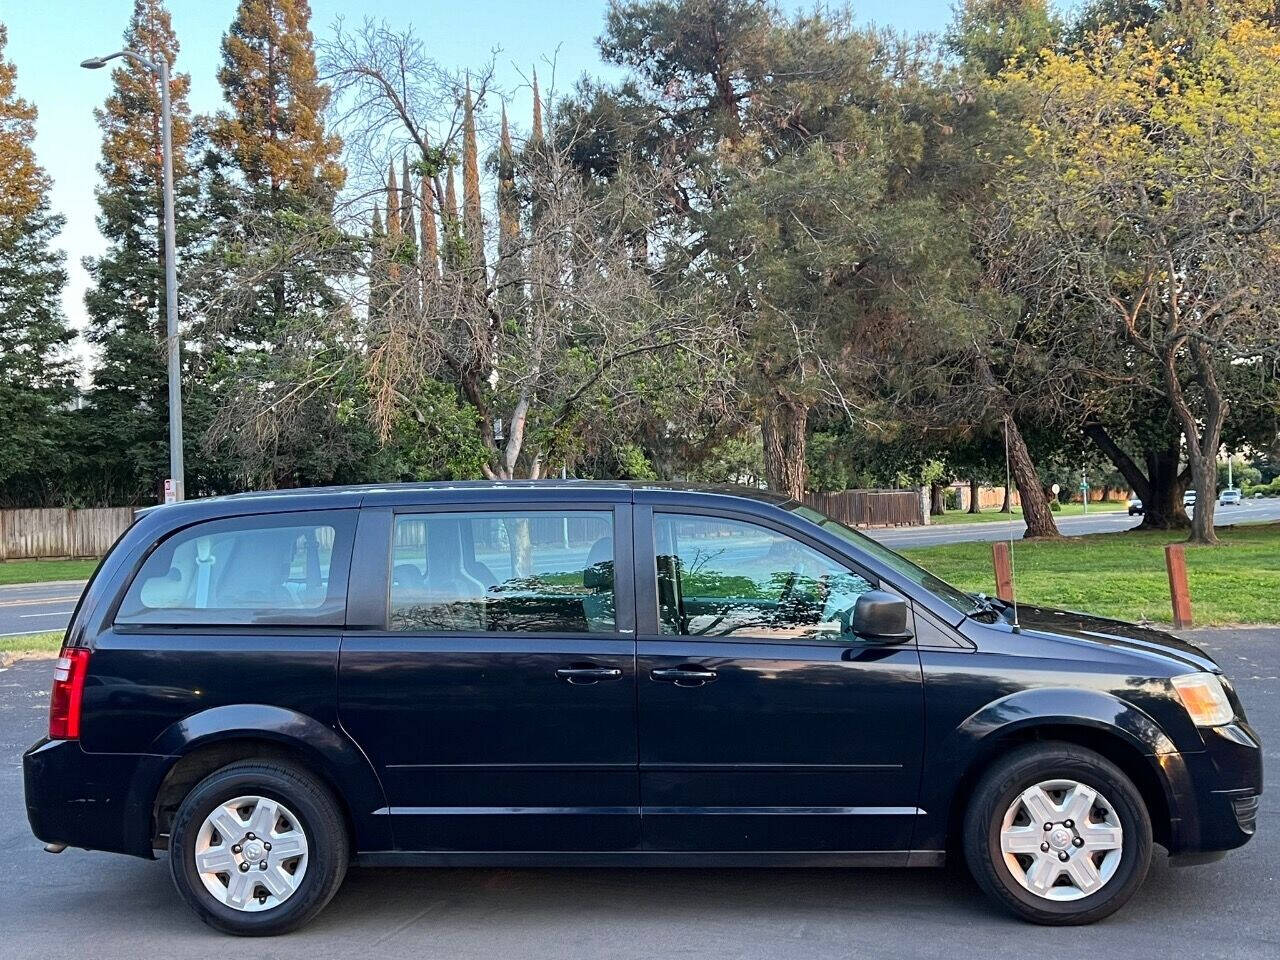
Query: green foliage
(35, 371)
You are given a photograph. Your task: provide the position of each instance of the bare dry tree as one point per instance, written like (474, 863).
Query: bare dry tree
(540, 329)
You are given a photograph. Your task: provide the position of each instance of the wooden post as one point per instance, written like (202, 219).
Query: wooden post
(1003, 562)
(1175, 558)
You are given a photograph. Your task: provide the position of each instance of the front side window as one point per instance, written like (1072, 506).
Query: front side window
(729, 578)
(280, 569)
(491, 571)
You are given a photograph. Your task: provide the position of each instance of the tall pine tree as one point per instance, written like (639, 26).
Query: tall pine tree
(276, 320)
(35, 373)
(125, 424)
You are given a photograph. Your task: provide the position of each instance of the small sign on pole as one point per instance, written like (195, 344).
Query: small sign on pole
(170, 494)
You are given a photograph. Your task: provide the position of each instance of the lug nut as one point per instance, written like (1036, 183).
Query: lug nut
(250, 836)
(1044, 848)
(1078, 841)
(1063, 856)
(1068, 824)
(1047, 828)
(262, 865)
(244, 868)
(266, 845)
(235, 848)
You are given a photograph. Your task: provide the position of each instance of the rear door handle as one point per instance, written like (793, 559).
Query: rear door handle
(586, 675)
(683, 676)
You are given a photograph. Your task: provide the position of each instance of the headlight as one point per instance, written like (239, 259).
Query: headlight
(1204, 698)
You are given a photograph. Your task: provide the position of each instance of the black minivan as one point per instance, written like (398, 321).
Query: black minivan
(267, 688)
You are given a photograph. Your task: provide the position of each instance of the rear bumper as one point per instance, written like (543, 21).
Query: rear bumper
(1216, 792)
(89, 800)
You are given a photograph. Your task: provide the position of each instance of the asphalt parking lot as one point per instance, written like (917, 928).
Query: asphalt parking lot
(94, 905)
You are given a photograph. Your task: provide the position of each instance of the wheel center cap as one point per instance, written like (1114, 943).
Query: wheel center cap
(1060, 838)
(253, 850)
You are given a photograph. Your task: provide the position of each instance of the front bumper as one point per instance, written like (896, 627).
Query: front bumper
(1215, 792)
(90, 800)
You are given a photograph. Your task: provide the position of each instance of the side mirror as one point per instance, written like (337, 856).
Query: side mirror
(881, 616)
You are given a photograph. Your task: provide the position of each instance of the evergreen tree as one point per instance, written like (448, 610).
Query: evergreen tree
(276, 325)
(35, 374)
(125, 432)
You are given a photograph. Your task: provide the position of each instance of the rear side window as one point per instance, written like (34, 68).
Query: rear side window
(545, 571)
(282, 569)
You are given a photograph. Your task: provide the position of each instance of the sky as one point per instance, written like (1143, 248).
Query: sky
(49, 38)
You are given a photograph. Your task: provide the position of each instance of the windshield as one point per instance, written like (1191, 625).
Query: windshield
(963, 602)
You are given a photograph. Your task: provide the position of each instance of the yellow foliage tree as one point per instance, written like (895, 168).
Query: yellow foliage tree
(1148, 187)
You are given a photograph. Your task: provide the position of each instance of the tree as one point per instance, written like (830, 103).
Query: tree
(991, 34)
(794, 149)
(35, 372)
(125, 442)
(1182, 264)
(279, 370)
(566, 332)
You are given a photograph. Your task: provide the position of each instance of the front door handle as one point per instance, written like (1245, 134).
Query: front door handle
(683, 676)
(585, 675)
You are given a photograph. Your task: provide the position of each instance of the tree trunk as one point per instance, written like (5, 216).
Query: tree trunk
(782, 427)
(1168, 482)
(975, 489)
(1035, 505)
(1204, 471)
(1160, 489)
(1203, 435)
(1007, 506)
(937, 499)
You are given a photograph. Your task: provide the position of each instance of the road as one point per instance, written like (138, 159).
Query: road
(35, 607)
(30, 608)
(101, 906)
(1250, 511)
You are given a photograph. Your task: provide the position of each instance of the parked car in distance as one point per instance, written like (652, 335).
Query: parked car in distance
(1135, 507)
(1189, 498)
(1229, 497)
(266, 689)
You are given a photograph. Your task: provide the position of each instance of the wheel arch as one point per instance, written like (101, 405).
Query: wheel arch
(205, 742)
(1111, 743)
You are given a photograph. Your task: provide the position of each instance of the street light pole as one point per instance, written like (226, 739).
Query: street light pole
(172, 344)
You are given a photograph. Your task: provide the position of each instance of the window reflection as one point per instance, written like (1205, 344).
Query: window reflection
(541, 571)
(720, 578)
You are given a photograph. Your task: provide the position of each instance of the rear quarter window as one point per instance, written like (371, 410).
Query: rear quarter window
(287, 569)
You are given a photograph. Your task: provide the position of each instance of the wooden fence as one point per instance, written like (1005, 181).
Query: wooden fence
(871, 508)
(61, 532)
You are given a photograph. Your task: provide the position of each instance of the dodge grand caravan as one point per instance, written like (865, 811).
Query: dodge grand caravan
(265, 689)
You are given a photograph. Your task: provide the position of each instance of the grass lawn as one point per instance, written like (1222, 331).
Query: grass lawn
(993, 514)
(29, 645)
(38, 571)
(1123, 574)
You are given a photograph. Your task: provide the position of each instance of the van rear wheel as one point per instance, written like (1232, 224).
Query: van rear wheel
(1058, 834)
(258, 848)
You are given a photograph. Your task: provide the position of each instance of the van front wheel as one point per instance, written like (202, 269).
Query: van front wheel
(1058, 834)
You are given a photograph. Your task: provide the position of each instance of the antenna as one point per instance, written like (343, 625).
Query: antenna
(1013, 567)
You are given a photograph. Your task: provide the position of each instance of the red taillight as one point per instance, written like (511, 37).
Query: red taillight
(68, 687)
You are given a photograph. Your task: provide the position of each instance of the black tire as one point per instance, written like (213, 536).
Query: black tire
(319, 817)
(1000, 787)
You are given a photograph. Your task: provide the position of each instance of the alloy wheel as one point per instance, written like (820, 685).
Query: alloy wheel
(1061, 840)
(251, 853)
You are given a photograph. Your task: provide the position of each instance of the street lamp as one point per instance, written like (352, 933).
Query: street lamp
(161, 70)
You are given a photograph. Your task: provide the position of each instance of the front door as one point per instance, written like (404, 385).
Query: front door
(497, 700)
(764, 723)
